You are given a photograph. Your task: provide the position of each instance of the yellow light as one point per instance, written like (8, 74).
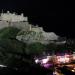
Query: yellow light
(72, 70)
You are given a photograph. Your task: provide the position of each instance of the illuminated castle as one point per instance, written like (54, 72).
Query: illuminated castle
(29, 33)
(12, 19)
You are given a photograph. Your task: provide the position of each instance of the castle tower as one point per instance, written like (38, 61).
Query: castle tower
(8, 12)
(30, 28)
(22, 14)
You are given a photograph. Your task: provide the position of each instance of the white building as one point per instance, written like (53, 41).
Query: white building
(14, 20)
(12, 17)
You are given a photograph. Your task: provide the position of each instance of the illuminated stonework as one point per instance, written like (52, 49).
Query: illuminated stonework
(29, 33)
(12, 17)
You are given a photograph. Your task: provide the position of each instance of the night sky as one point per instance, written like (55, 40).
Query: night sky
(54, 15)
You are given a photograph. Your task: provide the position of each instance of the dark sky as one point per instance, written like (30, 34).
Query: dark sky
(54, 15)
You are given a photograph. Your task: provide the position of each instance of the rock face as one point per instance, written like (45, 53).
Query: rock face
(50, 36)
(34, 36)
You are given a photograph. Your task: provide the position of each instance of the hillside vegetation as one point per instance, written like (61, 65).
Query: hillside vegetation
(12, 50)
(8, 32)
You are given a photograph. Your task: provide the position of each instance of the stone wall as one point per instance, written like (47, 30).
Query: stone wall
(19, 25)
(12, 17)
(3, 24)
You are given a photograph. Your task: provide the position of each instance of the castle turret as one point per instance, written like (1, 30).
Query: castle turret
(22, 14)
(8, 12)
(13, 17)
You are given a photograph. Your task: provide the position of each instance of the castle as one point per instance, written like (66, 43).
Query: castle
(21, 22)
(13, 19)
(18, 21)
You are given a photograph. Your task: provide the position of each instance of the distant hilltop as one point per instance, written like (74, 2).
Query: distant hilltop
(29, 33)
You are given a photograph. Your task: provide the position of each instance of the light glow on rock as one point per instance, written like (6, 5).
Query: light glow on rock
(63, 59)
(37, 61)
(45, 60)
(3, 66)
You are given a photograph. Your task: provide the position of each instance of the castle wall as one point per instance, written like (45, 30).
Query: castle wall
(20, 25)
(37, 29)
(3, 24)
(14, 20)
(12, 17)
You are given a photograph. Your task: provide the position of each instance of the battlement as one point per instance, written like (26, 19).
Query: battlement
(12, 17)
